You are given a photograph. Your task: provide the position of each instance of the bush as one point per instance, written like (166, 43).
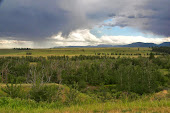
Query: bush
(82, 84)
(72, 94)
(125, 96)
(11, 78)
(0, 80)
(12, 90)
(51, 93)
(104, 93)
(21, 79)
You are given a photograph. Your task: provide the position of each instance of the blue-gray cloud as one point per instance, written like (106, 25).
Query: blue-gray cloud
(34, 20)
(39, 19)
(148, 15)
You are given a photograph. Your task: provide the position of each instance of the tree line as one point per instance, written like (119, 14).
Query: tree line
(165, 50)
(138, 75)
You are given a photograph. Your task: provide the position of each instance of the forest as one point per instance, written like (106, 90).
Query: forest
(65, 81)
(161, 49)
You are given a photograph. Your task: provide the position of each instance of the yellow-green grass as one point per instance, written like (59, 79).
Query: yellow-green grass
(158, 102)
(25, 87)
(139, 106)
(111, 107)
(75, 51)
(164, 71)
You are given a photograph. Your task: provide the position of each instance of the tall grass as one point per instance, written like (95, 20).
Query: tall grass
(18, 106)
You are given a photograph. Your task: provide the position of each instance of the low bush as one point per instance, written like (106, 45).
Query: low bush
(49, 93)
(12, 90)
(20, 79)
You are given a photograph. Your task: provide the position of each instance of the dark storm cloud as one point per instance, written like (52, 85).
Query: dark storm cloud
(34, 20)
(112, 15)
(39, 19)
(22, 23)
(160, 23)
(148, 15)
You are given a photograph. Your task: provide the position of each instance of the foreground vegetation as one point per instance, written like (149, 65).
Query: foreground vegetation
(85, 83)
(18, 105)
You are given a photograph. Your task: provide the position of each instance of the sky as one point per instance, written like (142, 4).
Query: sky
(52, 23)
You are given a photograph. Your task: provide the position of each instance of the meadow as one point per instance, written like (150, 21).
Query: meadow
(89, 80)
(76, 51)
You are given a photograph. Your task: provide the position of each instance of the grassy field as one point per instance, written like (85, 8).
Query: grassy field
(154, 103)
(108, 107)
(76, 51)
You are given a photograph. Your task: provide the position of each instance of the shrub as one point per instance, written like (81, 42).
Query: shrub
(21, 79)
(11, 78)
(72, 94)
(51, 93)
(12, 90)
(82, 84)
(125, 96)
(152, 56)
(0, 80)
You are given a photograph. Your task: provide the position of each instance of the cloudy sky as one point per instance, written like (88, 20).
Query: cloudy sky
(49, 23)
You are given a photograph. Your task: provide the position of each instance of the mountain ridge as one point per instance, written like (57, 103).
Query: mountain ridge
(136, 44)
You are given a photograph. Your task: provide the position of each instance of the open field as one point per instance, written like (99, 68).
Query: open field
(124, 52)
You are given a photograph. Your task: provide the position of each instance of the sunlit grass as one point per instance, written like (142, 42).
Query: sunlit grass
(164, 71)
(74, 51)
(17, 105)
(158, 102)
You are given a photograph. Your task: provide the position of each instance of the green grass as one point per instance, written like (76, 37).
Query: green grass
(164, 71)
(158, 102)
(9, 105)
(75, 51)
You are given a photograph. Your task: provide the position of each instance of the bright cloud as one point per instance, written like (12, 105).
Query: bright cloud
(79, 38)
(15, 44)
(84, 38)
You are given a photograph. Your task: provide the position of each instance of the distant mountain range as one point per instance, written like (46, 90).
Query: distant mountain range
(140, 44)
(137, 44)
